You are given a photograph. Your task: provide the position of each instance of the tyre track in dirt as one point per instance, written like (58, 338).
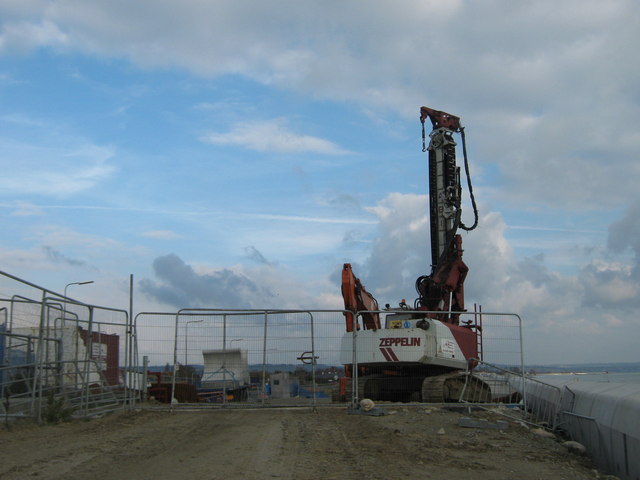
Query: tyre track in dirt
(147, 445)
(284, 444)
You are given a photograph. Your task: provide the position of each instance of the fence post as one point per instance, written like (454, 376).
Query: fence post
(264, 358)
(313, 364)
(524, 386)
(128, 347)
(354, 363)
(37, 371)
(175, 362)
(224, 359)
(88, 360)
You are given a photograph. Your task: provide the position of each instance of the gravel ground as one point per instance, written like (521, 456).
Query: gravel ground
(407, 442)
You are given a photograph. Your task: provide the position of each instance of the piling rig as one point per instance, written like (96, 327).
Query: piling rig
(422, 353)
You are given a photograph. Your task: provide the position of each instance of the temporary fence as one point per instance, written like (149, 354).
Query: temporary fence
(212, 357)
(241, 357)
(61, 358)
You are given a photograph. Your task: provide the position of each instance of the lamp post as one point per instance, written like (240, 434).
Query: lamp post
(75, 283)
(64, 308)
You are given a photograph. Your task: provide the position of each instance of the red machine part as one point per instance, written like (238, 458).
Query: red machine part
(467, 339)
(357, 299)
(105, 351)
(444, 290)
(440, 119)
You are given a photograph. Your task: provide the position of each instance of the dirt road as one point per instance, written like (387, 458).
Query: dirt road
(411, 443)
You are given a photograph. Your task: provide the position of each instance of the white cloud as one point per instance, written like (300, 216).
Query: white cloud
(64, 237)
(554, 307)
(21, 259)
(43, 258)
(53, 169)
(161, 234)
(400, 253)
(625, 233)
(297, 218)
(552, 229)
(610, 285)
(272, 136)
(26, 209)
(25, 36)
(548, 89)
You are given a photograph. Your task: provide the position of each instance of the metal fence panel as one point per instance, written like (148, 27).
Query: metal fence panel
(276, 357)
(229, 357)
(96, 358)
(60, 357)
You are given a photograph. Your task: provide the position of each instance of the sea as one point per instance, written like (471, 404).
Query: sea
(613, 377)
(589, 372)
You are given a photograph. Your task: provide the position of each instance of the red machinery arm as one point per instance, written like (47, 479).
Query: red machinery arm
(440, 119)
(443, 291)
(356, 299)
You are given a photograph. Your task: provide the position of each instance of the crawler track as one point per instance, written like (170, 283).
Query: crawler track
(445, 388)
(455, 387)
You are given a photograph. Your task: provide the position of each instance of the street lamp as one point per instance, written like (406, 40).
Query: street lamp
(64, 307)
(75, 283)
(186, 335)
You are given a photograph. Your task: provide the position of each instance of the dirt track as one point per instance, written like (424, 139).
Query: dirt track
(285, 444)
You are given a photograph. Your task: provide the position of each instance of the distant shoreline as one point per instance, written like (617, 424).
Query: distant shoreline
(570, 373)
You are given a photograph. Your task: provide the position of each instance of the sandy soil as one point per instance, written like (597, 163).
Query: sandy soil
(285, 444)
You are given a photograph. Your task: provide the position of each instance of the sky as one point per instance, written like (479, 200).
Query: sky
(235, 154)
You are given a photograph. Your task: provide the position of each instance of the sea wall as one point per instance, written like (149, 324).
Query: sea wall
(603, 416)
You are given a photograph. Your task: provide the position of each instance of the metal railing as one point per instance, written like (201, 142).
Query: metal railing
(59, 356)
(98, 357)
(296, 357)
(281, 352)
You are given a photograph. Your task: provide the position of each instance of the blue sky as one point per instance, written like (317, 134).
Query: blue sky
(252, 148)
